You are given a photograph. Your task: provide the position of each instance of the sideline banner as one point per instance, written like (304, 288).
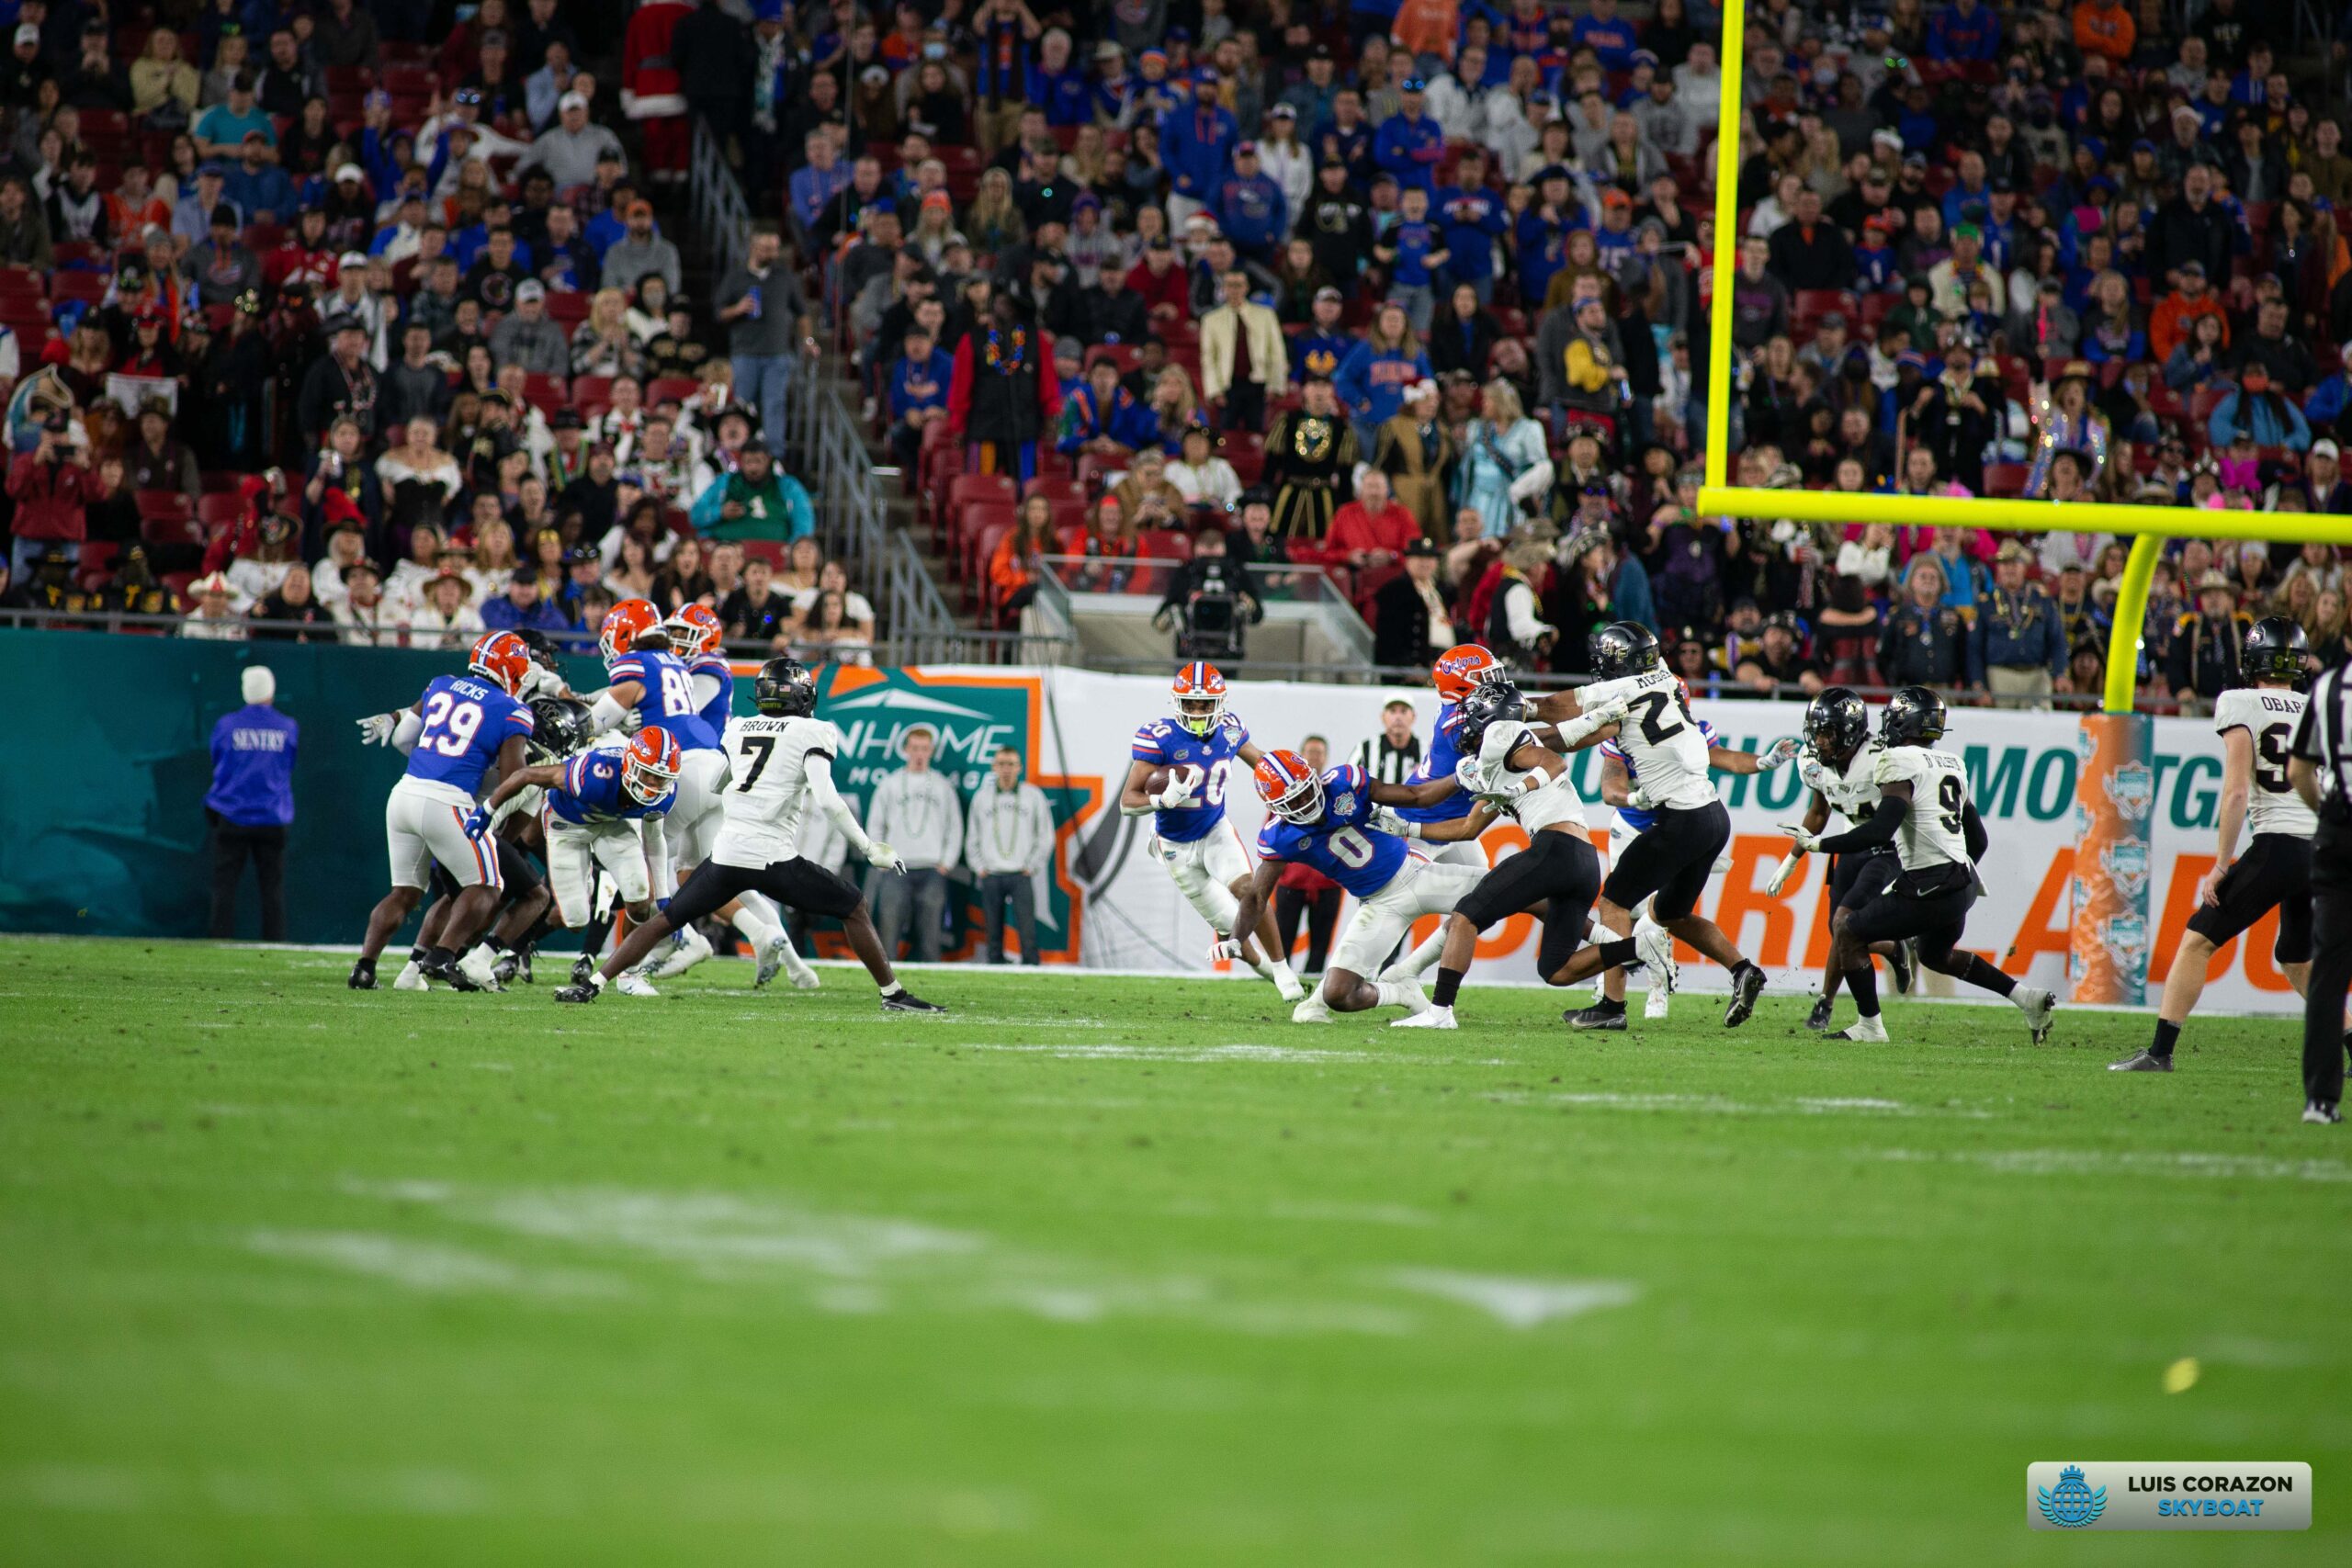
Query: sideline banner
(1113, 907)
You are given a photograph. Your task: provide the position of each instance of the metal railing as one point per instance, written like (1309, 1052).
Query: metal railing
(825, 452)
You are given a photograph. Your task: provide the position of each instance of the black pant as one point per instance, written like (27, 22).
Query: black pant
(999, 889)
(2331, 964)
(231, 844)
(1322, 912)
(1245, 405)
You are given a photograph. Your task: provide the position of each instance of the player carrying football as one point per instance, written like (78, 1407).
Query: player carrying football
(461, 728)
(1192, 835)
(1511, 767)
(2258, 723)
(1670, 864)
(782, 759)
(1923, 811)
(1839, 765)
(1325, 820)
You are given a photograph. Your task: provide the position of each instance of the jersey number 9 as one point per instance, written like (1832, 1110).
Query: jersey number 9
(2270, 759)
(1950, 797)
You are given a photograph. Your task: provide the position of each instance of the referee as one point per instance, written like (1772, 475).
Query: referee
(2320, 769)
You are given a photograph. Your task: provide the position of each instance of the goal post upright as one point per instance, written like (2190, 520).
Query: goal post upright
(2146, 526)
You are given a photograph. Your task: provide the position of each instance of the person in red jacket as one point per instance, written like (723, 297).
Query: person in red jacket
(50, 485)
(1161, 282)
(1002, 395)
(1372, 530)
(651, 94)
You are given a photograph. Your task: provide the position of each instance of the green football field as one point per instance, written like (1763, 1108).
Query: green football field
(1104, 1270)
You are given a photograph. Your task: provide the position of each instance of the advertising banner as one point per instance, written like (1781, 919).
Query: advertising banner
(1112, 906)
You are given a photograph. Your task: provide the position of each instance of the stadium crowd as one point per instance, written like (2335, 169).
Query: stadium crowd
(350, 320)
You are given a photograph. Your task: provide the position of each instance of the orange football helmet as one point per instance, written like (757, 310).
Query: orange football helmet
(1292, 790)
(649, 767)
(1200, 696)
(504, 658)
(624, 624)
(1462, 669)
(695, 629)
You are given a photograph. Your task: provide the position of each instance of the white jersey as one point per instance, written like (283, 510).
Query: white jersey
(1931, 834)
(1852, 791)
(768, 759)
(1538, 800)
(1660, 738)
(2270, 715)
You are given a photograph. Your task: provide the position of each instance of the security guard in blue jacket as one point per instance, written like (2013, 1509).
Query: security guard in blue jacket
(251, 804)
(2018, 646)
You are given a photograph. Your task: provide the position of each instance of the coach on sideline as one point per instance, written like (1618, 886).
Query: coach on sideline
(2319, 768)
(251, 804)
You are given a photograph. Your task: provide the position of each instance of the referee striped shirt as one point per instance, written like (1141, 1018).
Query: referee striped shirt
(2324, 739)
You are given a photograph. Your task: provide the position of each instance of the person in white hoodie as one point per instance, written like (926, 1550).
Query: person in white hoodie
(1008, 843)
(916, 811)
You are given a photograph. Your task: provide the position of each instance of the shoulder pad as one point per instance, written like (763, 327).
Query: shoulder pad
(1497, 745)
(1894, 767)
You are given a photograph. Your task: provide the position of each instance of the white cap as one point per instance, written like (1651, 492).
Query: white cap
(351, 172)
(258, 684)
(573, 101)
(27, 33)
(2323, 447)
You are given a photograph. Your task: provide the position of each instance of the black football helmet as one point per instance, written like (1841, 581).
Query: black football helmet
(1491, 703)
(543, 651)
(1837, 722)
(1624, 647)
(2275, 649)
(784, 689)
(559, 726)
(1914, 716)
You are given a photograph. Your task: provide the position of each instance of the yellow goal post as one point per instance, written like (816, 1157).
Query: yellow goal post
(2147, 527)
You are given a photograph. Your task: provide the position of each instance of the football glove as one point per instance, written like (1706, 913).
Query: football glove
(1224, 947)
(477, 821)
(1805, 839)
(1780, 874)
(878, 853)
(376, 728)
(1181, 785)
(1638, 800)
(1779, 754)
(1385, 819)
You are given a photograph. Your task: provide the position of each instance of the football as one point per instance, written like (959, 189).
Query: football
(1162, 777)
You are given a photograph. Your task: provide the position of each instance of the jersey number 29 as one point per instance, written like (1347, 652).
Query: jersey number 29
(449, 725)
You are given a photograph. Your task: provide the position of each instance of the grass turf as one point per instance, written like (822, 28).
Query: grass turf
(1122, 1270)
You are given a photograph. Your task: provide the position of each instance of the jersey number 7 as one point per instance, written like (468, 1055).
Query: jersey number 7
(766, 746)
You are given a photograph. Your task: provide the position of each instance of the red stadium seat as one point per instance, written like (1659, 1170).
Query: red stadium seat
(543, 392)
(215, 507)
(568, 306)
(1054, 489)
(667, 387)
(768, 551)
(977, 556)
(164, 505)
(968, 490)
(2203, 401)
(171, 531)
(79, 283)
(2004, 482)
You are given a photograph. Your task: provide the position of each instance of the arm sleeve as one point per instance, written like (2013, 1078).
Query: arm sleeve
(1879, 829)
(836, 809)
(1972, 828)
(404, 734)
(707, 688)
(605, 713)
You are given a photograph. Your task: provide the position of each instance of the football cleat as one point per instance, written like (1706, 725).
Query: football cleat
(1871, 1029)
(771, 960)
(1433, 1018)
(2039, 1007)
(1746, 986)
(1656, 950)
(906, 1001)
(447, 971)
(475, 964)
(635, 985)
(2323, 1112)
(582, 968)
(580, 992)
(412, 977)
(1905, 964)
(1603, 1016)
(524, 969)
(1657, 1001)
(1288, 986)
(2141, 1062)
(507, 969)
(689, 948)
(1314, 1010)
(1819, 1017)
(363, 975)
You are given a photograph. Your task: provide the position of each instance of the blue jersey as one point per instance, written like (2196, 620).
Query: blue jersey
(668, 697)
(1339, 846)
(591, 793)
(721, 707)
(1640, 821)
(1437, 762)
(467, 719)
(1164, 743)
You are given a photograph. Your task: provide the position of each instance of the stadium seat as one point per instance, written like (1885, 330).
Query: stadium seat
(215, 507)
(543, 391)
(663, 388)
(2203, 401)
(984, 539)
(768, 551)
(172, 531)
(1053, 488)
(2004, 482)
(164, 505)
(90, 287)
